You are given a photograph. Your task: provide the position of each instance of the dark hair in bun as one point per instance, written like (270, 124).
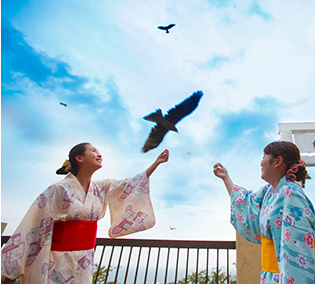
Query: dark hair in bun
(78, 149)
(291, 157)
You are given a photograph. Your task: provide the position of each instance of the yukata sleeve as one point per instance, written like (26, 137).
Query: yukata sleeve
(130, 206)
(296, 244)
(31, 240)
(245, 209)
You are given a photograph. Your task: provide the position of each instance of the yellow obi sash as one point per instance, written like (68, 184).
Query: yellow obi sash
(269, 261)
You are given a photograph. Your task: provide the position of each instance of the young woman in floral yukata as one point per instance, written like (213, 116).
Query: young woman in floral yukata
(55, 241)
(279, 216)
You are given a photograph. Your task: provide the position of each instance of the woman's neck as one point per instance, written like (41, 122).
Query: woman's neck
(275, 183)
(274, 179)
(84, 180)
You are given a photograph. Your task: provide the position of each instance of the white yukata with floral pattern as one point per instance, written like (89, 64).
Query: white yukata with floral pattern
(285, 215)
(27, 254)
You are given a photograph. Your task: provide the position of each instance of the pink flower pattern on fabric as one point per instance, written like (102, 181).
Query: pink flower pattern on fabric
(291, 281)
(239, 201)
(309, 240)
(236, 189)
(287, 235)
(240, 218)
(278, 222)
(257, 236)
(288, 192)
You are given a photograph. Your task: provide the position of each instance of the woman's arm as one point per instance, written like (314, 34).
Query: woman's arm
(163, 157)
(220, 171)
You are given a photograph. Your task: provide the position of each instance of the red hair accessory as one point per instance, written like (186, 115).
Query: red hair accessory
(294, 169)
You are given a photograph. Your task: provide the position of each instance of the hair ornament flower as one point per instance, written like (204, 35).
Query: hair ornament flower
(301, 163)
(294, 169)
(67, 165)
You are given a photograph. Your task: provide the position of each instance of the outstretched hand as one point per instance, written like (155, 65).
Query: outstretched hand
(163, 157)
(220, 171)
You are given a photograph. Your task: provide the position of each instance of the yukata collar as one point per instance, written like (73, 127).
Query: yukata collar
(76, 185)
(72, 178)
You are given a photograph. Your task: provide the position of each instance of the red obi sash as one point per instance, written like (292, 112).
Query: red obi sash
(74, 235)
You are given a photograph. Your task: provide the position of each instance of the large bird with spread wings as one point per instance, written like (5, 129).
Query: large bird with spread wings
(166, 28)
(167, 123)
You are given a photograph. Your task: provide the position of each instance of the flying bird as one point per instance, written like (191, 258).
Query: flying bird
(63, 104)
(172, 228)
(167, 123)
(166, 28)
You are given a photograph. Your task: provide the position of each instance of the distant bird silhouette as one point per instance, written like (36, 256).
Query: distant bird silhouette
(166, 28)
(63, 104)
(172, 228)
(167, 123)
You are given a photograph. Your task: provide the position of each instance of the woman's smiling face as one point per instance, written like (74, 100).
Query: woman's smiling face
(92, 157)
(267, 167)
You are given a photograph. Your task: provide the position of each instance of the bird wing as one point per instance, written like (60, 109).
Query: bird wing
(170, 26)
(162, 27)
(184, 108)
(154, 116)
(166, 27)
(155, 138)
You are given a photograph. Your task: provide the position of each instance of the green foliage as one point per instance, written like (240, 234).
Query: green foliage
(102, 274)
(191, 279)
(211, 279)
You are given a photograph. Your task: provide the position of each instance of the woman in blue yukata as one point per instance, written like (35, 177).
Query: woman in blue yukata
(279, 216)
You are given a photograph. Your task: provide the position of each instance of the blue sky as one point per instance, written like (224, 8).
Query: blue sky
(254, 61)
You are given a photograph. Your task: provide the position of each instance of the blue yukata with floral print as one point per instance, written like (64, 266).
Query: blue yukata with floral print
(286, 216)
